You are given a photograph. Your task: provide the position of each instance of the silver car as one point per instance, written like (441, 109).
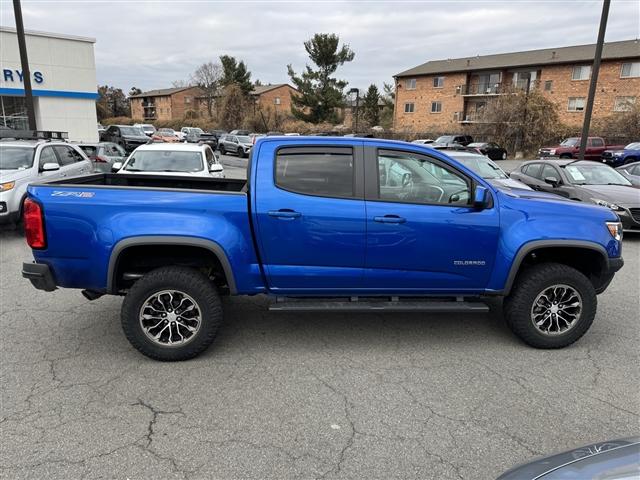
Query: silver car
(238, 144)
(26, 161)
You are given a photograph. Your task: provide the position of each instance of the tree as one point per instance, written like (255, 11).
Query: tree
(389, 95)
(233, 107)
(370, 108)
(236, 72)
(112, 102)
(208, 77)
(134, 91)
(179, 84)
(319, 94)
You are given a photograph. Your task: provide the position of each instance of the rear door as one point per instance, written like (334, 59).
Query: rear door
(72, 163)
(422, 233)
(310, 216)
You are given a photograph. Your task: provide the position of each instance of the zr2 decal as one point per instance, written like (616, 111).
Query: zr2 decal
(58, 193)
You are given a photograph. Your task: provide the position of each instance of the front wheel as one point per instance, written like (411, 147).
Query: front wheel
(241, 152)
(566, 155)
(172, 313)
(222, 150)
(551, 305)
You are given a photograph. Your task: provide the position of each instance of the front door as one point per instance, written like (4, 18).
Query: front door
(422, 233)
(310, 216)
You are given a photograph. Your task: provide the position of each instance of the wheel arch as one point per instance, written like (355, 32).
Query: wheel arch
(168, 240)
(559, 251)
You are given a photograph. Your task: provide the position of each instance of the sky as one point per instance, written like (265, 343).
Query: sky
(150, 44)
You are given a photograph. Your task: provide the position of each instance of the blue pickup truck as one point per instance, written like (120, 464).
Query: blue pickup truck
(322, 224)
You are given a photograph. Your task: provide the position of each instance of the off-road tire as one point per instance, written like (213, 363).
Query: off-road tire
(531, 282)
(188, 280)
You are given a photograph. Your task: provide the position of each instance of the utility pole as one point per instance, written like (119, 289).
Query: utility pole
(594, 78)
(26, 74)
(357, 92)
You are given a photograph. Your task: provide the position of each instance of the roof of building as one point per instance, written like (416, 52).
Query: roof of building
(260, 89)
(546, 56)
(162, 92)
(38, 33)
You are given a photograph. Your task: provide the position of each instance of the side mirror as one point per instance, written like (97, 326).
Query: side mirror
(480, 198)
(553, 181)
(116, 166)
(50, 167)
(215, 168)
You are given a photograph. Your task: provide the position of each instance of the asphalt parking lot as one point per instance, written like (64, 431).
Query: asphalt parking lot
(303, 395)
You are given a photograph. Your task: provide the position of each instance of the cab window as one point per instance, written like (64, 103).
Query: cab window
(47, 156)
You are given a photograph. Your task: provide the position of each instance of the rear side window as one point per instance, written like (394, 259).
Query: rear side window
(533, 170)
(316, 171)
(597, 142)
(67, 155)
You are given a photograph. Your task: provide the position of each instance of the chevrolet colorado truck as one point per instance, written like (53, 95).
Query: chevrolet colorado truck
(570, 148)
(322, 224)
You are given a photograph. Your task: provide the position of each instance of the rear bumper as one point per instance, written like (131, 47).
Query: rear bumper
(39, 275)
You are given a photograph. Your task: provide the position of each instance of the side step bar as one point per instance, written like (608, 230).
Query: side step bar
(433, 306)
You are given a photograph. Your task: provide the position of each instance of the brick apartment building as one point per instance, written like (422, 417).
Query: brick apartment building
(448, 95)
(178, 103)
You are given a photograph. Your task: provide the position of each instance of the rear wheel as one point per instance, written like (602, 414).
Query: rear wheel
(551, 306)
(566, 155)
(629, 160)
(172, 314)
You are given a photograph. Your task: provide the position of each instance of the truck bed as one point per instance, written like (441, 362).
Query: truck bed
(154, 181)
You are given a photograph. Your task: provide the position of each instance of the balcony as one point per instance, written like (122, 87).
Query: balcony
(472, 117)
(487, 89)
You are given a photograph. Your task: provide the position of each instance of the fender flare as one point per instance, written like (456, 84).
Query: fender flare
(541, 244)
(177, 240)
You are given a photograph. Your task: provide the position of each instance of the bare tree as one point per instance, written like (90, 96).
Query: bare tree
(208, 77)
(179, 84)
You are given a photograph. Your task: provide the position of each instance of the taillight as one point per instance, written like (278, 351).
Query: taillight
(34, 224)
(99, 159)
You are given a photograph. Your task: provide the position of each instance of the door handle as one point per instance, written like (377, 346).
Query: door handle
(389, 219)
(284, 213)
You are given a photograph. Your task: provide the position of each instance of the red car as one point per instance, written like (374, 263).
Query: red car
(570, 148)
(165, 135)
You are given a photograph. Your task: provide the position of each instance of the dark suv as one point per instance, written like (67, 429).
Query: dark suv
(127, 136)
(448, 140)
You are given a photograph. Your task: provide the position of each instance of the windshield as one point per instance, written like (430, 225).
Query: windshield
(15, 158)
(633, 146)
(444, 139)
(244, 139)
(90, 150)
(594, 175)
(481, 165)
(132, 131)
(164, 161)
(570, 142)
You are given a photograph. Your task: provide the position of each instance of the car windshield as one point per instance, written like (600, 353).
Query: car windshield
(570, 142)
(90, 150)
(481, 165)
(131, 131)
(444, 139)
(633, 146)
(164, 161)
(594, 175)
(244, 139)
(16, 158)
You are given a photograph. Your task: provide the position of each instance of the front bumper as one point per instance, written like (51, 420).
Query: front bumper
(630, 219)
(39, 275)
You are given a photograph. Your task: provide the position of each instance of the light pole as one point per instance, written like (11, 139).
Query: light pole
(594, 78)
(26, 74)
(357, 92)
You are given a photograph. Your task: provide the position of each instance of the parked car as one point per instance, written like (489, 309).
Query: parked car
(193, 131)
(103, 154)
(612, 460)
(255, 136)
(238, 144)
(484, 167)
(208, 139)
(167, 135)
(629, 154)
(448, 140)
(585, 181)
(100, 128)
(218, 133)
(147, 128)
(490, 149)
(327, 224)
(240, 132)
(127, 136)
(181, 159)
(570, 148)
(24, 161)
(423, 141)
(631, 171)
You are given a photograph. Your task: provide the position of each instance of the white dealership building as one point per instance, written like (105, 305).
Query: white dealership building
(63, 79)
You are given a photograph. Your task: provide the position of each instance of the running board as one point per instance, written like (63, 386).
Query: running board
(433, 306)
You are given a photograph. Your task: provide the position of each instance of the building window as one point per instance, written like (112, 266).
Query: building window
(548, 85)
(629, 70)
(409, 107)
(436, 107)
(581, 72)
(276, 101)
(13, 113)
(576, 104)
(624, 104)
(411, 84)
(438, 82)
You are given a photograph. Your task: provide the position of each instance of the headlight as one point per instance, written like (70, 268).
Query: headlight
(7, 186)
(615, 229)
(603, 203)
(552, 151)
(617, 154)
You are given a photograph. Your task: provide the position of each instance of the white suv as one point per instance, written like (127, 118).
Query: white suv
(178, 159)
